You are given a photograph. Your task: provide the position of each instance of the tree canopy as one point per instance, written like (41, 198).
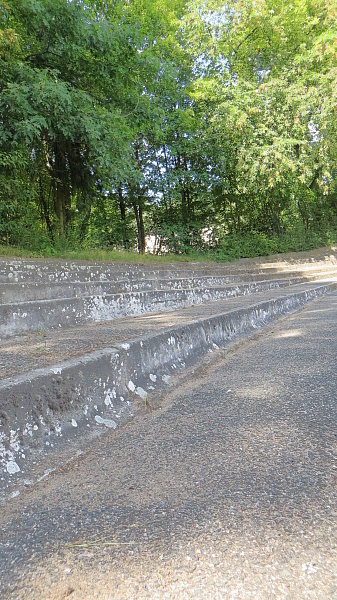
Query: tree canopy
(189, 121)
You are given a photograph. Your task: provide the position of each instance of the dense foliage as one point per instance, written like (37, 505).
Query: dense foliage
(199, 123)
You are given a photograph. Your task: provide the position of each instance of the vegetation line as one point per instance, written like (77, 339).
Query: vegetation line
(191, 127)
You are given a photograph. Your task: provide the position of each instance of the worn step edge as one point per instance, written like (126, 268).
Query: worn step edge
(28, 278)
(52, 407)
(24, 292)
(54, 272)
(68, 272)
(22, 317)
(15, 293)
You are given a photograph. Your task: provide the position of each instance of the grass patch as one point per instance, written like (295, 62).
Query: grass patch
(102, 255)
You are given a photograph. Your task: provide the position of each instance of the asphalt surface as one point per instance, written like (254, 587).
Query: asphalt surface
(228, 490)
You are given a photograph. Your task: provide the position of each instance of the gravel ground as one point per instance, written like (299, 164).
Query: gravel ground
(227, 491)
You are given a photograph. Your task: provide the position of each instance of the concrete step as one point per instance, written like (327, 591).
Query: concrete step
(27, 292)
(23, 292)
(53, 271)
(20, 317)
(46, 271)
(121, 363)
(23, 352)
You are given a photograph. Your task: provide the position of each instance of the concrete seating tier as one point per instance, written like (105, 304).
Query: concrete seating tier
(84, 346)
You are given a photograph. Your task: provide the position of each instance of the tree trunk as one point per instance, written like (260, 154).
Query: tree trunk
(140, 227)
(168, 179)
(86, 212)
(137, 202)
(61, 189)
(162, 188)
(184, 208)
(45, 209)
(122, 207)
(187, 192)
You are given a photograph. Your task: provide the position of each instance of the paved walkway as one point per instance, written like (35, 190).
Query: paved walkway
(228, 491)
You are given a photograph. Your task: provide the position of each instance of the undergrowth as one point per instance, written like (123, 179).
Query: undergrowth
(231, 247)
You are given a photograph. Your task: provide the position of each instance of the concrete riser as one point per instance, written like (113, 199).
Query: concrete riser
(16, 292)
(19, 318)
(51, 272)
(43, 409)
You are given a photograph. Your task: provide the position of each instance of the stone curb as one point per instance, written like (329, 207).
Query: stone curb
(44, 409)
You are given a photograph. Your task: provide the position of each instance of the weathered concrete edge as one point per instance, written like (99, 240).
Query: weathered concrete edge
(15, 293)
(50, 406)
(22, 317)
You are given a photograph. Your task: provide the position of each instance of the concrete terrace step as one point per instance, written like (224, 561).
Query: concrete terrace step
(25, 352)
(120, 363)
(45, 271)
(23, 292)
(30, 291)
(19, 317)
(53, 271)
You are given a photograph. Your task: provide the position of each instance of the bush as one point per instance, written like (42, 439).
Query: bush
(247, 245)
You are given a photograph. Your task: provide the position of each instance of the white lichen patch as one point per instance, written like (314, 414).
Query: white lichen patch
(56, 370)
(58, 429)
(110, 395)
(107, 422)
(99, 309)
(153, 377)
(8, 455)
(131, 386)
(141, 392)
(14, 441)
(74, 423)
(15, 494)
(166, 378)
(125, 346)
(28, 430)
(12, 467)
